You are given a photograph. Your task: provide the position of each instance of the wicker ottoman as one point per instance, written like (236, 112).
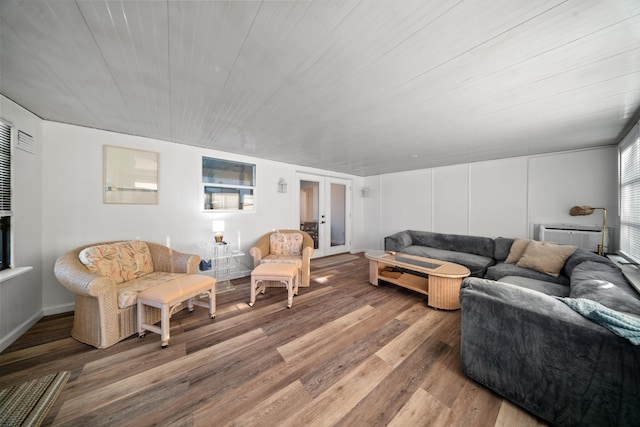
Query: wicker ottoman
(170, 295)
(287, 274)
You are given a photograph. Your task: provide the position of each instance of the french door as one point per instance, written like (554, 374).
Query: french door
(325, 212)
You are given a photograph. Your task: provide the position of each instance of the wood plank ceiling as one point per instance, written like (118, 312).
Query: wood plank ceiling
(348, 86)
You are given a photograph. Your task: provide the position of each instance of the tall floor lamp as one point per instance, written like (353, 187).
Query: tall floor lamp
(588, 210)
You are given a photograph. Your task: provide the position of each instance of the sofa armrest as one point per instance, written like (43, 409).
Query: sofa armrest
(256, 253)
(74, 276)
(537, 352)
(397, 242)
(171, 261)
(307, 246)
(307, 253)
(260, 250)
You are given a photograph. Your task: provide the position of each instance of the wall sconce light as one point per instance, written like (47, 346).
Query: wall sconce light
(218, 228)
(588, 210)
(365, 191)
(282, 186)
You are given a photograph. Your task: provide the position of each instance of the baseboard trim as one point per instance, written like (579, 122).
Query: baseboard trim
(7, 340)
(63, 308)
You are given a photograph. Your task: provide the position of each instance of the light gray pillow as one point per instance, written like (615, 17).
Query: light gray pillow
(517, 250)
(545, 257)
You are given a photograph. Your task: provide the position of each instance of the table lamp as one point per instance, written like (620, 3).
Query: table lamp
(218, 228)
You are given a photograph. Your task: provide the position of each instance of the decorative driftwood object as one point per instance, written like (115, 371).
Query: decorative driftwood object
(581, 210)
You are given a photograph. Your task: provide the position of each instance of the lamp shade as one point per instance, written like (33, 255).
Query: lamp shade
(217, 226)
(581, 210)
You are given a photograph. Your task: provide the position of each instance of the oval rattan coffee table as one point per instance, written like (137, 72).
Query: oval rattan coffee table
(442, 284)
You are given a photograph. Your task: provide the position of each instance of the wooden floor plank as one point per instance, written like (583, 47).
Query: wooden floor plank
(511, 415)
(480, 408)
(143, 381)
(107, 370)
(322, 374)
(404, 344)
(329, 407)
(350, 348)
(234, 403)
(272, 410)
(376, 409)
(26, 355)
(314, 341)
(446, 380)
(422, 409)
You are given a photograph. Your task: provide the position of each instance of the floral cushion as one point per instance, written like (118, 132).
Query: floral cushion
(122, 261)
(128, 291)
(282, 259)
(285, 244)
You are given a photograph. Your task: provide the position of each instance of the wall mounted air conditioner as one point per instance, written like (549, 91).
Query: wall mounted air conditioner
(583, 236)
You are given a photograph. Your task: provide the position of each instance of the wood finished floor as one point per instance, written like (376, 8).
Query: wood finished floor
(346, 354)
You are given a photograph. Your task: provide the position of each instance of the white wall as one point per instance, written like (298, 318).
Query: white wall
(74, 212)
(497, 198)
(21, 296)
(450, 202)
(405, 202)
(558, 182)
(366, 230)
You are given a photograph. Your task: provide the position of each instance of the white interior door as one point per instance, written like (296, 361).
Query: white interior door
(325, 212)
(338, 207)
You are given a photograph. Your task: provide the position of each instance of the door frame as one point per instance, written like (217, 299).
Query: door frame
(324, 212)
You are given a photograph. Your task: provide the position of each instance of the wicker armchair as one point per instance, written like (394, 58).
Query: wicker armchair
(261, 253)
(98, 320)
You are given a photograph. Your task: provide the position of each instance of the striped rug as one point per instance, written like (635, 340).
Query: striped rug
(27, 404)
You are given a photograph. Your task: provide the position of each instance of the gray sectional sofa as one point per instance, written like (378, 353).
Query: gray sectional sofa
(523, 336)
(476, 253)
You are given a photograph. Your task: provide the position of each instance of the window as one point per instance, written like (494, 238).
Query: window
(227, 185)
(629, 163)
(5, 195)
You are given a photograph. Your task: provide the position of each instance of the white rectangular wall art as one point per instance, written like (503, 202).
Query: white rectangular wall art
(130, 176)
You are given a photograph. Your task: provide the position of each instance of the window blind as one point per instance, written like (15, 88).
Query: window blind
(629, 157)
(5, 169)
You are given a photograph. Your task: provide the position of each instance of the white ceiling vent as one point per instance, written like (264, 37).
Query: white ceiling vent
(25, 142)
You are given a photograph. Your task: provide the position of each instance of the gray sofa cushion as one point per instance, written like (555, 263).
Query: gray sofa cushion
(607, 294)
(582, 255)
(397, 241)
(475, 263)
(590, 270)
(502, 248)
(483, 246)
(554, 289)
(604, 284)
(500, 270)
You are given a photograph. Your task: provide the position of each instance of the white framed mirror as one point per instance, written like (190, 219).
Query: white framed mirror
(130, 176)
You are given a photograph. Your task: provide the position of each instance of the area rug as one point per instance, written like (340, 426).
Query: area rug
(27, 404)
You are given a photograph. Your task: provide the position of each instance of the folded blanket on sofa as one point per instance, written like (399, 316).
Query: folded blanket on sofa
(623, 325)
